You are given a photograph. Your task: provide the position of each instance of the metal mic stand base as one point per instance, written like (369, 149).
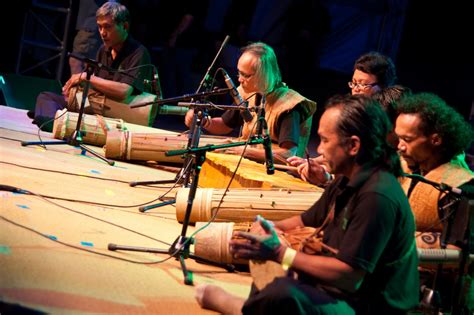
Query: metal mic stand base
(76, 138)
(179, 254)
(159, 182)
(180, 248)
(72, 143)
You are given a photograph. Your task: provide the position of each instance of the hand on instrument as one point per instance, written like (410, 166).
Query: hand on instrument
(266, 246)
(314, 173)
(238, 150)
(74, 80)
(188, 119)
(257, 228)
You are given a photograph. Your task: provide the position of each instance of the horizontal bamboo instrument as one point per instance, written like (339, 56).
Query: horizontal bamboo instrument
(94, 128)
(98, 103)
(240, 205)
(213, 241)
(143, 146)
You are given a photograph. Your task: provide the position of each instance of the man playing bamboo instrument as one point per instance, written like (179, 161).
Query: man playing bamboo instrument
(365, 219)
(373, 73)
(432, 137)
(287, 113)
(118, 51)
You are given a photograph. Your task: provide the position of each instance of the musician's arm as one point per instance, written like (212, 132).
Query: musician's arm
(329, 270)
(289, 223)
(117, 90)
(280, 154)
(216, 126)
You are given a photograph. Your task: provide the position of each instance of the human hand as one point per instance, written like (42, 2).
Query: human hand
(314, 172)
(188, 118)
(74, 80)
(264, 246)
(296, 161)
(237, 150)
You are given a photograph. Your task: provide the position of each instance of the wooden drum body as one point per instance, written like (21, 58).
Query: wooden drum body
(212, 242)
(240, 205)
(94, 127)
(97, 103)
(128, 145)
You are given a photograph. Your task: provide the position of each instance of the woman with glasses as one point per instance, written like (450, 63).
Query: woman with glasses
(374, 75)
(287, 113)
(372, 72)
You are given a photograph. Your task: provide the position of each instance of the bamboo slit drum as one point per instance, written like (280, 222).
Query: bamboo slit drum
(240, 204)
(94, 128)
(213, 241)
(143, 146)
(218, 169)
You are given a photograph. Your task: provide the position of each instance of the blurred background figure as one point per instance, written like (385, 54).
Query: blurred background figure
(87, 39)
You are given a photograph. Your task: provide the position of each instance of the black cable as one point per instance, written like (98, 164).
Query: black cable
(81, 248)
(94, 177)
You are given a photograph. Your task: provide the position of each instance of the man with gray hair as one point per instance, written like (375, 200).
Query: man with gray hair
(119, 51)
(288, 114)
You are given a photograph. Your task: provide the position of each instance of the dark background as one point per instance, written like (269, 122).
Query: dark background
(430, 48)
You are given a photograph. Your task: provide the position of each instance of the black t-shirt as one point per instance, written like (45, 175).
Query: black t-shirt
(133, 63)
(373, 229)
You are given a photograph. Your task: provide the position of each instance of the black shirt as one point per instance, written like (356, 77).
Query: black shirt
(373, 229)
(132, 65)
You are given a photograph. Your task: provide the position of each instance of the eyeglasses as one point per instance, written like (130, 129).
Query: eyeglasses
(244, 75)
(363, 86)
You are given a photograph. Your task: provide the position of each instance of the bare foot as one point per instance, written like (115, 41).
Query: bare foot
(214, 298)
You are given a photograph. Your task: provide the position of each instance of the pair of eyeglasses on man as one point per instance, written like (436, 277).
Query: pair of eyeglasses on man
(363, 86)
(244, 76)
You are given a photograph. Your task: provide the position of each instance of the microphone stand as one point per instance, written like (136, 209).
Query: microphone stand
(431, 298)
(458, 301)
(76, 138)
(180, 247)
(194, 131)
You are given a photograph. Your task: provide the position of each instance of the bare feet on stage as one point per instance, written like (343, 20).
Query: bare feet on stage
(214, 298)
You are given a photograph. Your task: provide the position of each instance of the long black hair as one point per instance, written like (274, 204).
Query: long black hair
(364, 117)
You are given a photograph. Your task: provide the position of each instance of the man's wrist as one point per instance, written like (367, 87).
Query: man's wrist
(288, 258)
(207, 122)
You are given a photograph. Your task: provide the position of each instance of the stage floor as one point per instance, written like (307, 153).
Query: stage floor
(53, 251)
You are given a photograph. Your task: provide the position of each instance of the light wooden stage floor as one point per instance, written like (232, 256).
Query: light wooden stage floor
(53, 252)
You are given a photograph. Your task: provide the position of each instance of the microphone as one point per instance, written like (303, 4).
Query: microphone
(172, 110)
(267, 144)
(468, 193)
(246, 115)
(89, 61)
(438, 255)
(154, 84)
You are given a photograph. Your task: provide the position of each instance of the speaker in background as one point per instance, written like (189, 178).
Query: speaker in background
(20, 91)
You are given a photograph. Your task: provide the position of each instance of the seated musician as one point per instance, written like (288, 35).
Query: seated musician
(118, 51)
(365, 219)
(432, 137)
(287, 113)
(374, 75)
